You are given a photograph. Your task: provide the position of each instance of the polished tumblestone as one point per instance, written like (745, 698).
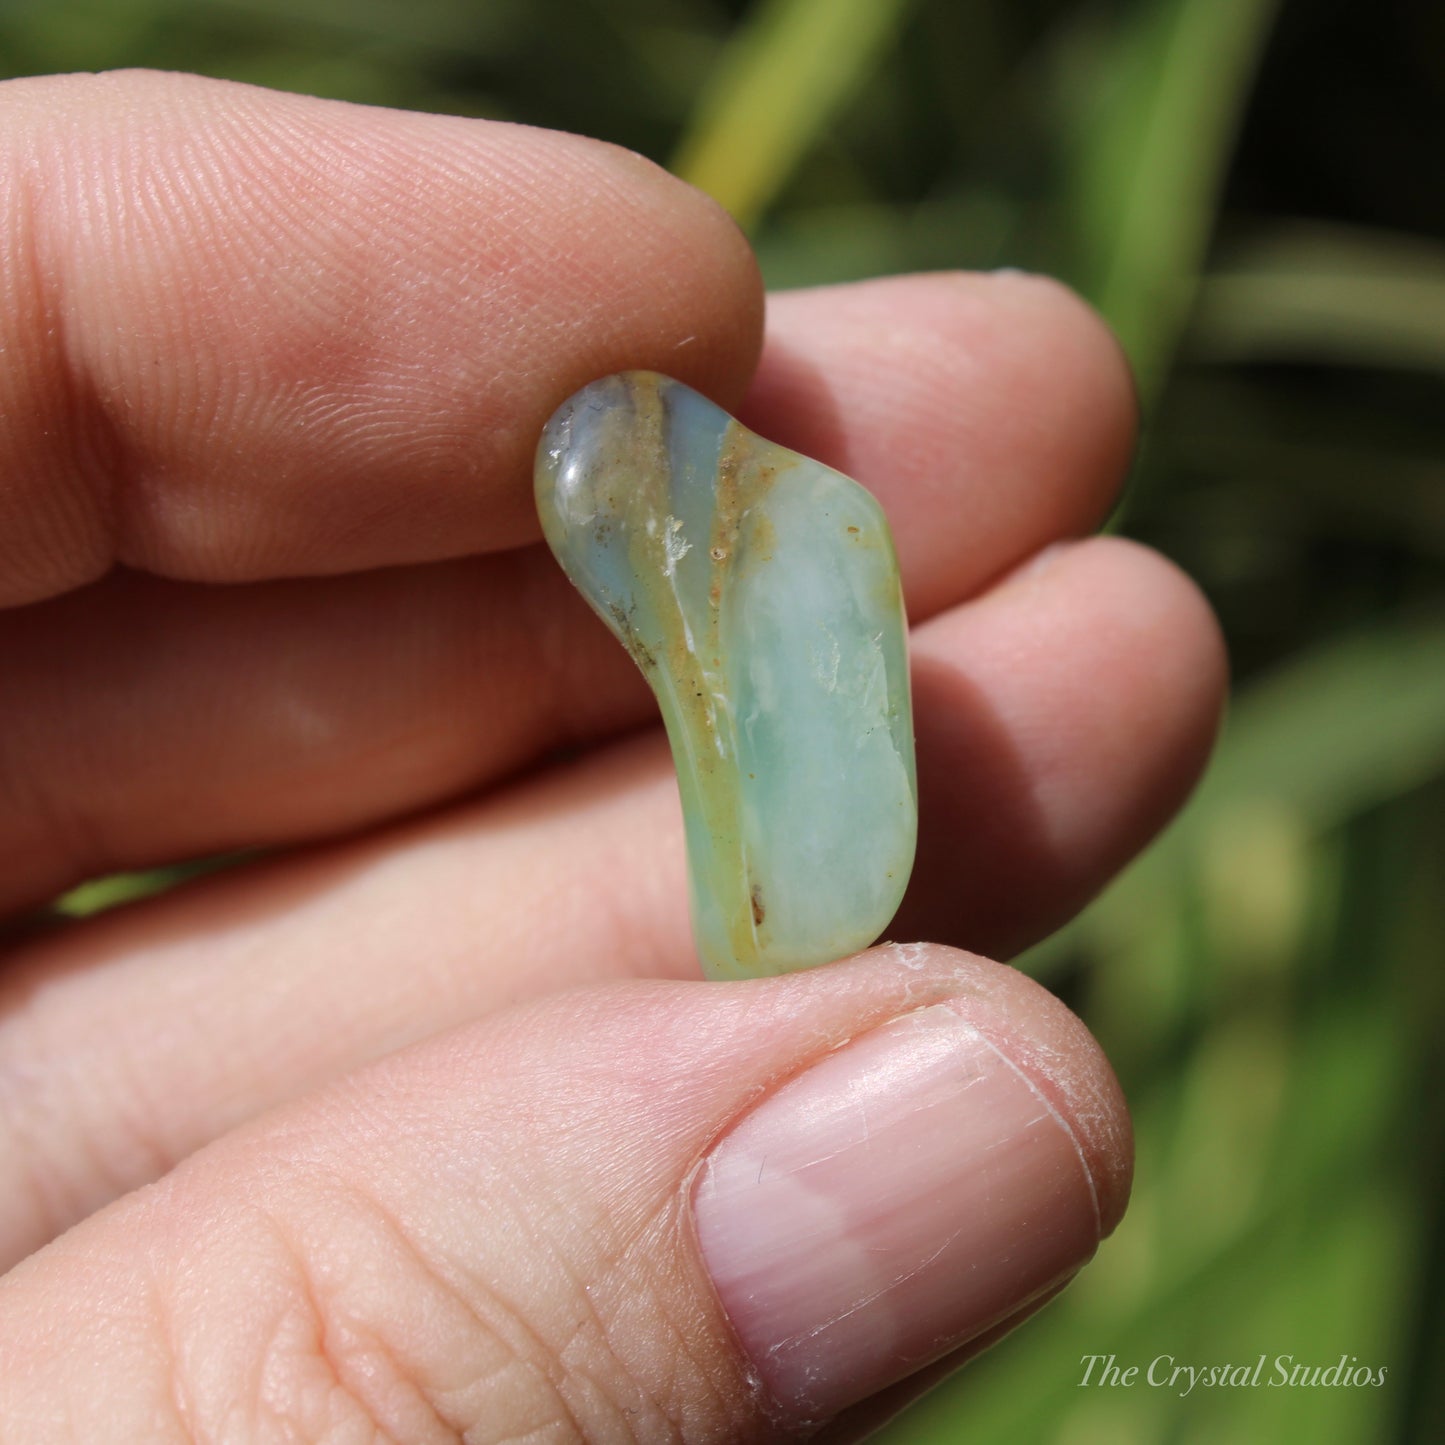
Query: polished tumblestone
(758, 591)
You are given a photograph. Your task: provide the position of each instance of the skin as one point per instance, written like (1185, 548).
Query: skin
(304, 350)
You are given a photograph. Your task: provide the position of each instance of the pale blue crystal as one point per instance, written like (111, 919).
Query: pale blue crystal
(758, 591)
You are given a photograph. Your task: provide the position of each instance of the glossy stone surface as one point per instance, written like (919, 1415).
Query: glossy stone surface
(758, 591)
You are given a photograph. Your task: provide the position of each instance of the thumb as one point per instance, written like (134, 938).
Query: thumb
(649, 1211)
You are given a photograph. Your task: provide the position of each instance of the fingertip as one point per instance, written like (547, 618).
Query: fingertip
(1062, 718)
(1090, 340)
(1161, 647)
(318, 337)
(990, 413)
(697, 305)
(914, 1187)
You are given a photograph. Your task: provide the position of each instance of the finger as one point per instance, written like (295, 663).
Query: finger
(252, 334)
(277, 712)
(704, 1212)
(1073, 705)
(1060, 723)
(155, 720)
(990, 414)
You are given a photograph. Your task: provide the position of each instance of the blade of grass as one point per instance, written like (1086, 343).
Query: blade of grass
(100, 894)
(782, 78)
(1152, 159)
(1318, 293)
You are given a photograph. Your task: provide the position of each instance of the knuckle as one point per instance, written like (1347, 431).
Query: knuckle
(351, 1326)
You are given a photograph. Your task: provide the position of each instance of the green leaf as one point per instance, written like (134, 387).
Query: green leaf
(1155, 142)
(100, 894)
(782, 79)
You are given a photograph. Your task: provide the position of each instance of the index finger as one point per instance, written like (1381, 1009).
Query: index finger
(248, 334)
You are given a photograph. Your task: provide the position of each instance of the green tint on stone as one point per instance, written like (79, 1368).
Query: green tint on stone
(758, 592)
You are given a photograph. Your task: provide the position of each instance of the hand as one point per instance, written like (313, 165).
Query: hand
(442, 1136)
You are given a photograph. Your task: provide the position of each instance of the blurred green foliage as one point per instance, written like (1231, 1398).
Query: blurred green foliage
(1251, 190)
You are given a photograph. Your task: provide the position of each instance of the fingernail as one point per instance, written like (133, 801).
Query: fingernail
(906, 1193)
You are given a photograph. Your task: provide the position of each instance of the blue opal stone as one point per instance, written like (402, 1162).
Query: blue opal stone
(758, 591)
